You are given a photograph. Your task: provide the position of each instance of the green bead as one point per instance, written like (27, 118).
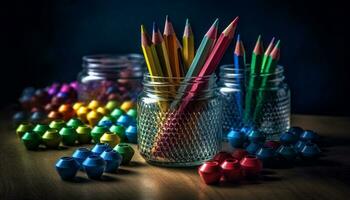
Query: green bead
(126, 151)
(23, 128)
(41, 129)
(111, 105)
(106, 118)
(97, 133)
(31, 140)
(57, 124)
(83, 133)
(118, 130)
(52, 138)
(69, 136)
(116, 113)
(74, 123)
(132, 113)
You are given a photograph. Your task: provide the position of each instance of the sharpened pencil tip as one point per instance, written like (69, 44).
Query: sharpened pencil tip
(216, 22)
(187, 22)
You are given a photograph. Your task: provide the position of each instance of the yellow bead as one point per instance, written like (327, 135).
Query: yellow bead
(77, 105)
(102, 111)
(94, 104)
(126, 105)
(110, 138)
(82, 112)
(93, 117)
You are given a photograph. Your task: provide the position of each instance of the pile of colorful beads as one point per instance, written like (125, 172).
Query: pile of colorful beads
(107, 124)
(101, 158)
(251, 152)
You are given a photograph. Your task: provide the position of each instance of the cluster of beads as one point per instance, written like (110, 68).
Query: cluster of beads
(101, 158)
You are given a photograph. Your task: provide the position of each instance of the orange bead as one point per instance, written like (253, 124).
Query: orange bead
(53, 115)
(126, 105)
(102, 111)
(93, 117)
(67, 111)
(94, 104)
(82, 112)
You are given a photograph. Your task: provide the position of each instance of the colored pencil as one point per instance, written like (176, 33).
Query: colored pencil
(254, 70)
(172, 46)
(147, 52)
(202, 54)
(162, 51)
(213, 60)
(239, 55)
(188, 45)
(239, 61)
(269, 68)
(266, 54)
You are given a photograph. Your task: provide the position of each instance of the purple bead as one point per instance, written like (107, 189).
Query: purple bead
(74, 85)
(63, 95)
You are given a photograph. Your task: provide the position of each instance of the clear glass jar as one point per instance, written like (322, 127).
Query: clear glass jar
(231, 87)
(268, 109)
(111, 77)
(178, 129)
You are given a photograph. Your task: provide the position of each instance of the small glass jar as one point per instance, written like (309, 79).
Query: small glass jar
(268, 106)
(231, 87)
(179, 127)
(111, 77)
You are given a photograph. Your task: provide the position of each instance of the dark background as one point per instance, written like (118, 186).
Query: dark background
(43, 41)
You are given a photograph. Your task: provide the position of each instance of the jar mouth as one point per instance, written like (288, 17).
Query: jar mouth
(111, 60)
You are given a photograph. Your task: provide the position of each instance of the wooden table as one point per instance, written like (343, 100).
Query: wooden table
(31, 174)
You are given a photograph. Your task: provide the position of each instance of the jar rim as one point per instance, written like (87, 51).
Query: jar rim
(111, 60)
(148, 76)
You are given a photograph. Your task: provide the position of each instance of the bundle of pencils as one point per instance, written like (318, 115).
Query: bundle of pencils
(166, 57)
(262, 64)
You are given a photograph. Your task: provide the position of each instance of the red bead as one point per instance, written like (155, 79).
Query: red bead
(50, 107)
(239, 154)
(251, 166)
(210, 172)
(231, 170)
(273, 144)
(222, 156)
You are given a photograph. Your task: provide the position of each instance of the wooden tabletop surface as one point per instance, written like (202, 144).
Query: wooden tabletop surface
(31, 174)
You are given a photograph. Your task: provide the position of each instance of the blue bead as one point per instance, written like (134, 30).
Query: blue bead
(29, 91)
(309, 135)
(99, 148)
(124, 120)
(63, 95)
(113, 160)
(131, 134)
(256, 136)
(105, 123)
(310, 151)
(19, 117)
(265, 154)
(287, 152)
(80, 155)
(67, 168)
(94, 166)
(236, 138)
(299, 145)
(296, 131)
(288, 138)
(37, 117)
(111, 90)
(253, 147)
(246, 130)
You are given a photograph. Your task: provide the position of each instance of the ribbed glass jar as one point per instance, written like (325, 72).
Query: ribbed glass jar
(231, 90)
(111, 77)
(267, 106)
(179, 127)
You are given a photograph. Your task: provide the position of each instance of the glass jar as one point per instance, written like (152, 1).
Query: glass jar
(231, 87)
(111, 77)
(267, 104)
(179, 127)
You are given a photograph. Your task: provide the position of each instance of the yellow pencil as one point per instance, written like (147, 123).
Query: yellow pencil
(147, 52)
(188, 45)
